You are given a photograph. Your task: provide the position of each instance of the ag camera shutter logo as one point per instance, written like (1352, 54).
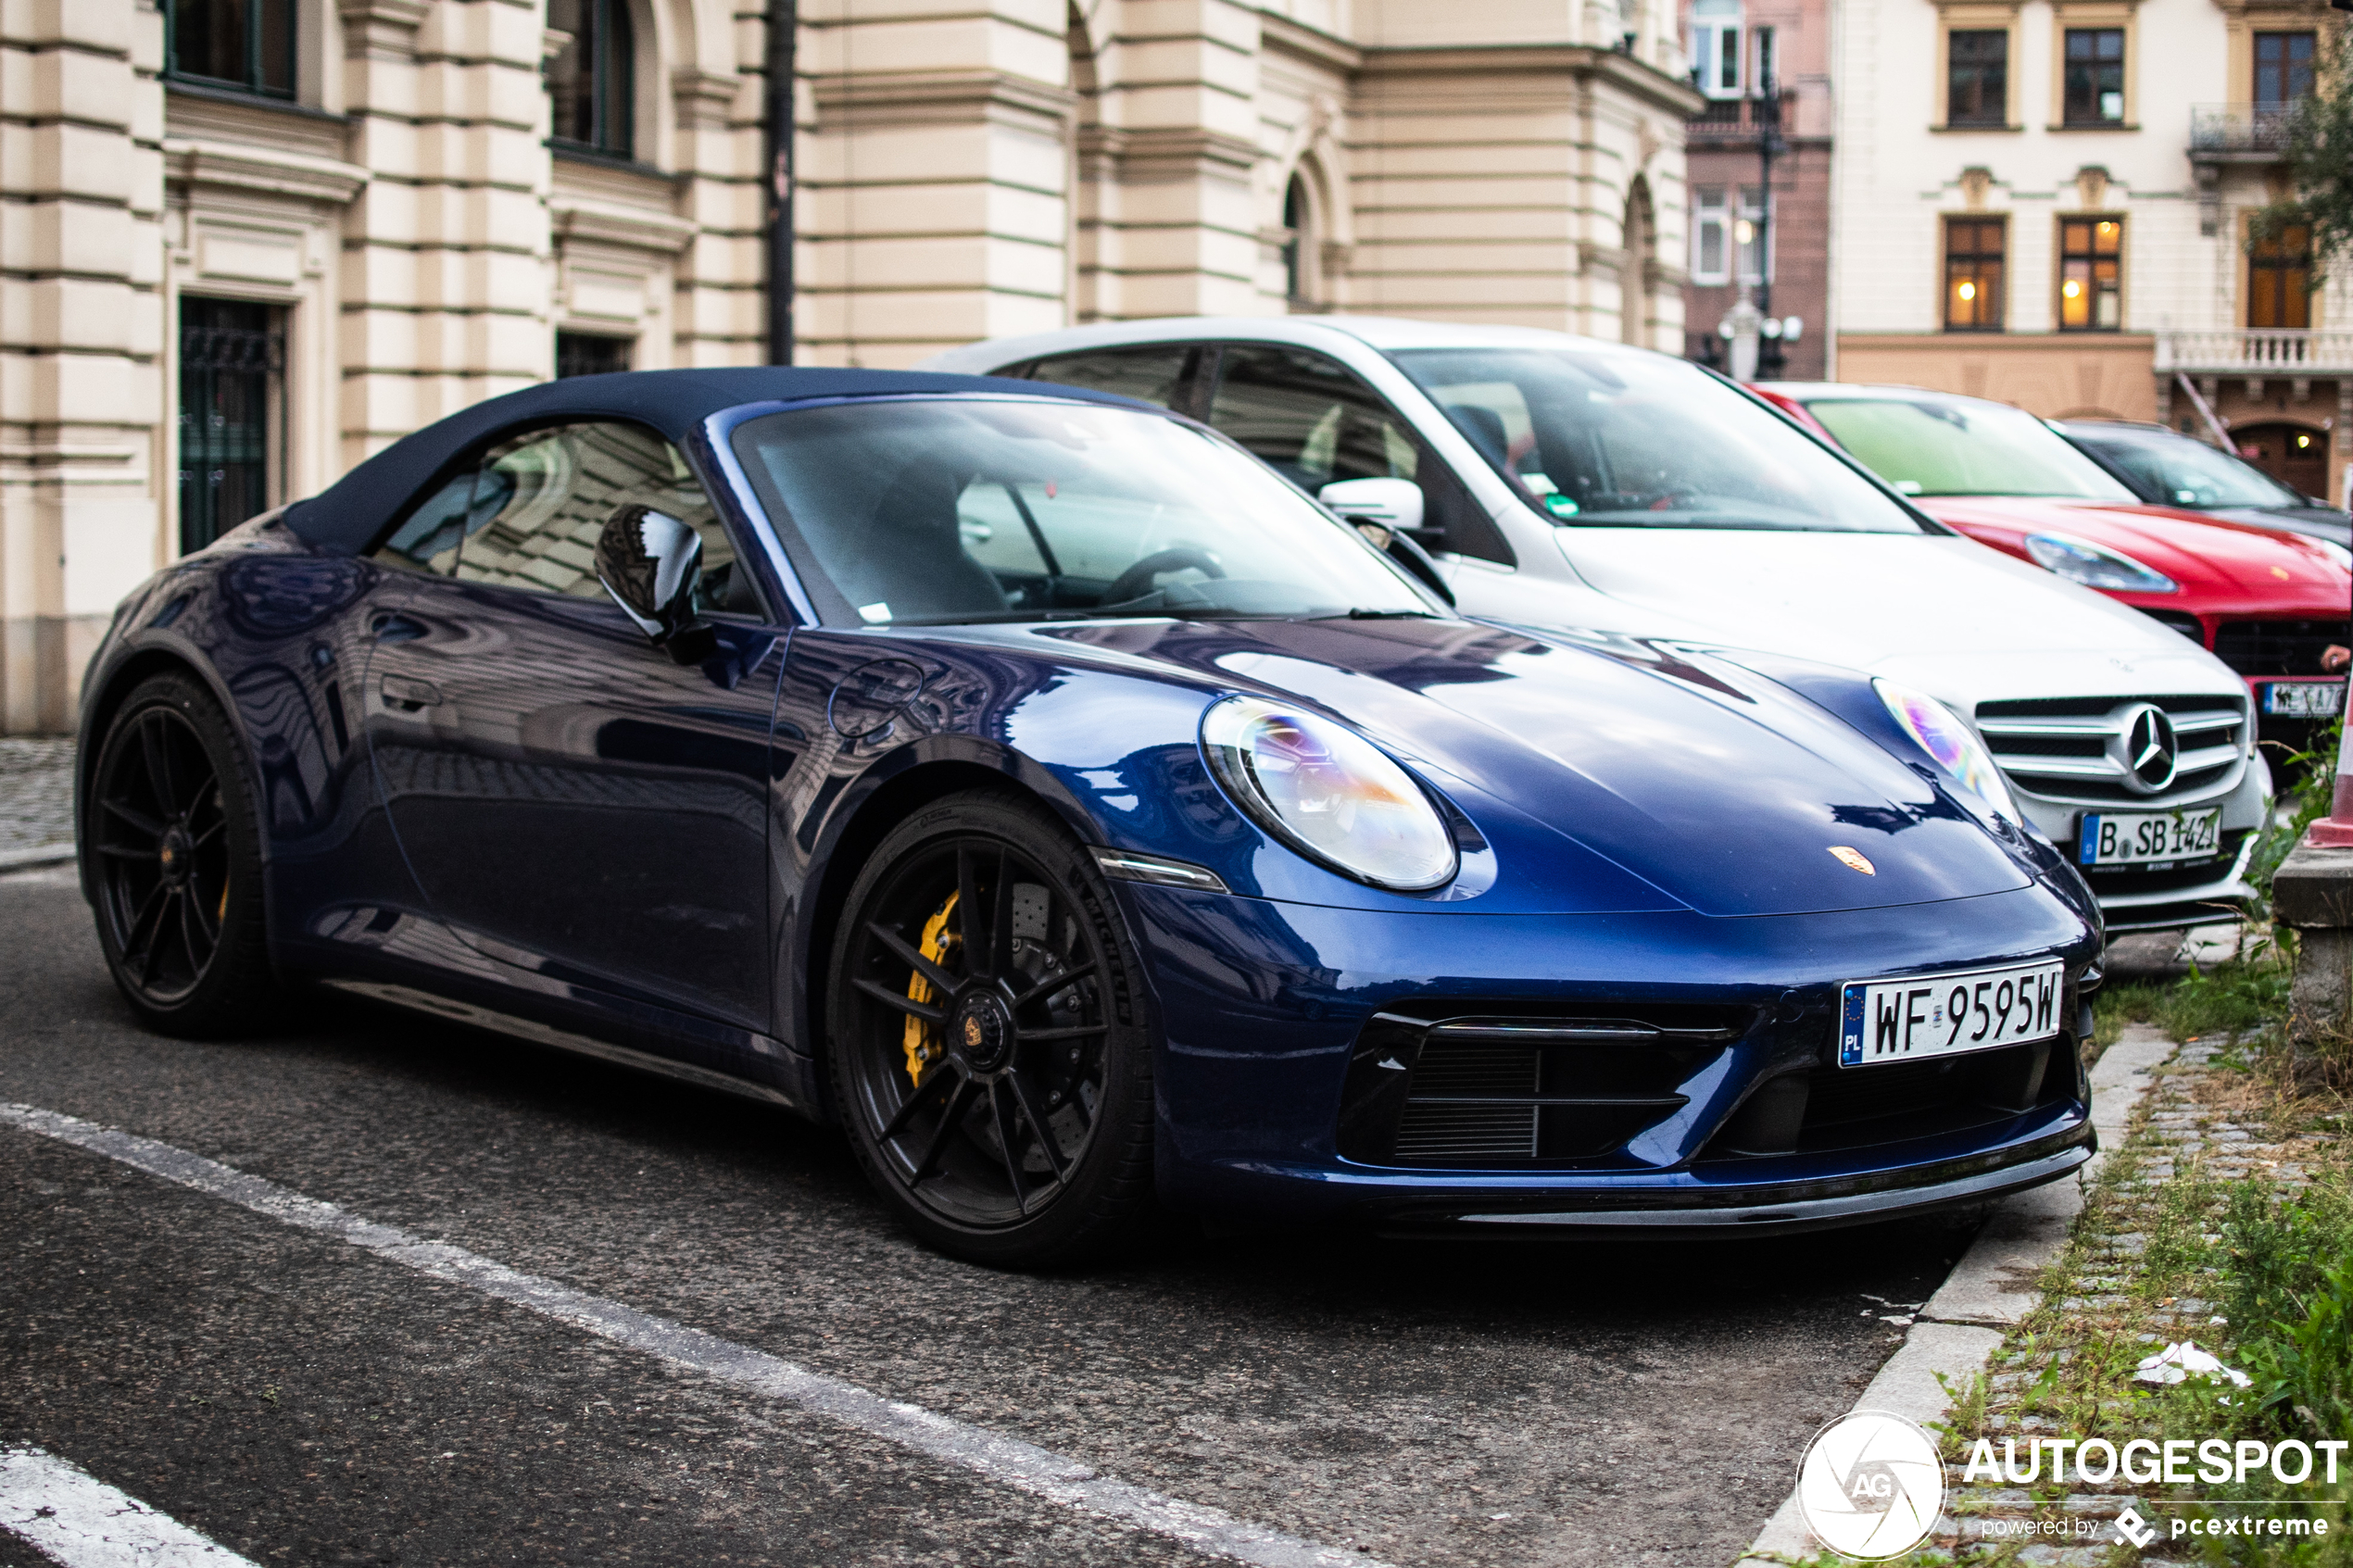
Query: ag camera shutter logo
(1870, 1486)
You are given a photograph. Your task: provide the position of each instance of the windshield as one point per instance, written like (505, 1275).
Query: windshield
(2188, 472)
(1931, 447)
(930, 512)
(1593, 438)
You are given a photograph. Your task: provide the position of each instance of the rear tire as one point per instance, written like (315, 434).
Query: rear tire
(1004, 1117)
(173, 855)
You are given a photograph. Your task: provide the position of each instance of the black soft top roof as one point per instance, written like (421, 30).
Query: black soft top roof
(352, 513)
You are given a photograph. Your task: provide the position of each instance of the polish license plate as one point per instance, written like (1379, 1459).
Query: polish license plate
(1925, 1015)
(2131, 838)
(2304, 699)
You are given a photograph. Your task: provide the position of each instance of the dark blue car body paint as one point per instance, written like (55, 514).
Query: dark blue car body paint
(1641, 827)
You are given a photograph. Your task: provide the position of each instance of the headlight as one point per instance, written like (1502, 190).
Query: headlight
(1942, 734)
(1328, 793)
(2337, 552)
(2096, 566)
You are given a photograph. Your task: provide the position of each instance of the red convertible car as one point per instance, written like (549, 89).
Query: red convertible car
(2275, 607)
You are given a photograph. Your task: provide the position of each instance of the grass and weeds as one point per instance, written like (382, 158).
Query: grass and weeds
(2226, 1219)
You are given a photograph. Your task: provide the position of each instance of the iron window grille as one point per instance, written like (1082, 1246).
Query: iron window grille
(232, 413)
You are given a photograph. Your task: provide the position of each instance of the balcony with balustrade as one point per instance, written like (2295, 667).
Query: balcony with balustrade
(2257, 352)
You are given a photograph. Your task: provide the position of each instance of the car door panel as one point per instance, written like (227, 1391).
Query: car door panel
(522, 726)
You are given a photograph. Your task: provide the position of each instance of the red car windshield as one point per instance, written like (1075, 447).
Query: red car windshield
(1939, 446)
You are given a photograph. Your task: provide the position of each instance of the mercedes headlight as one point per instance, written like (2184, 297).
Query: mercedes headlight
(2096, 566)
(1942, 734)
(1327, 793)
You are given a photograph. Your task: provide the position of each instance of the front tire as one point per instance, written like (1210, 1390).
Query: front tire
(174, 856)
(988, 1039)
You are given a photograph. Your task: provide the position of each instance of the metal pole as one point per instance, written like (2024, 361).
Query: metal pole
(784, 34)
(1768, 145)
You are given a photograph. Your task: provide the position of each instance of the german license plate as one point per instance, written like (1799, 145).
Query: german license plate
(2304, 699)
(2131, 838)
(1925, 1015)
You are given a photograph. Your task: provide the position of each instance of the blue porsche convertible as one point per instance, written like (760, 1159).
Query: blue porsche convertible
(1032, 784)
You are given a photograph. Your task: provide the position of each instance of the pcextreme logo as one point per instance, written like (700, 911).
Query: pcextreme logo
(1870, 1486)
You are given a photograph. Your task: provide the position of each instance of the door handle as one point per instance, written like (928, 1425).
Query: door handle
(407, 694)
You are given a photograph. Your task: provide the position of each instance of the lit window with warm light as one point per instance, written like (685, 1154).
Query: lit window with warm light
(2091, 278)
(1973, 258)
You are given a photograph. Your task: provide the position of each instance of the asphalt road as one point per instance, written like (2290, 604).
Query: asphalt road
(302, 1400)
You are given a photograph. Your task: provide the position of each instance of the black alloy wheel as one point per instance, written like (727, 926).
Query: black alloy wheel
(988, 1051)
(173, 859)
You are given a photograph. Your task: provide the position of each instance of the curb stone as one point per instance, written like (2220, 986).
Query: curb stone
(1992, 1287)
(38, 855)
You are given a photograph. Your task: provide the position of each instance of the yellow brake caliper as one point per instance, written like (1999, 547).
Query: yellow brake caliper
(923, 1046)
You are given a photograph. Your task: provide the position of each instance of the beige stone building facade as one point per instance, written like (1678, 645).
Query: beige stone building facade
(245, 242)
(2046, 202)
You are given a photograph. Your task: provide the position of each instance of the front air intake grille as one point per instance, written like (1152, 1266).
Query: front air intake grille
(2279, 648)
(1484, 1089)
(2074, 748)
(1831, 1109)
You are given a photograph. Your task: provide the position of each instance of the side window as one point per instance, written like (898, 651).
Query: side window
(1309, 417)
(528, 515)
(1314, 422)
(1157, 373)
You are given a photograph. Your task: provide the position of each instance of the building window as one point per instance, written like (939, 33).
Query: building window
(591, 80)
(1716, 48)
(2279, 279)
(232, 411)
(1977, 78)
(2091, 258)
(247, 44)
(590, 354)
(1749, 231)
(2094, 89)
(2282, 70)
(1711, 235)
(1973, 274)
(1295, 229)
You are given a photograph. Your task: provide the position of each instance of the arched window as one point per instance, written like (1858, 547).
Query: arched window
(1634, 277)
(247, 44)
(590, 80)
(1298, 287)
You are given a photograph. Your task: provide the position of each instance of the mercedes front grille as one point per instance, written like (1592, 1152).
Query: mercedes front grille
(2100, 751)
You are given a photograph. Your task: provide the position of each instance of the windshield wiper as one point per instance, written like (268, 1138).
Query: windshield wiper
(1360, 614)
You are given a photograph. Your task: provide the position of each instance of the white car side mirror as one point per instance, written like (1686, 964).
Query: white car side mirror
(1395, 504)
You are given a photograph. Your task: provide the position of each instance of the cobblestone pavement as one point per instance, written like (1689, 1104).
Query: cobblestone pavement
(36, 794)
(2184, 1136)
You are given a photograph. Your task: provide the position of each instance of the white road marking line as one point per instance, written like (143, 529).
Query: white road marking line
(78, 1520)
(1039, 1472)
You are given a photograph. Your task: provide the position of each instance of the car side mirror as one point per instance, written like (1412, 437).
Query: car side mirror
(651, 564)
(1389, 513)
(1395, 504)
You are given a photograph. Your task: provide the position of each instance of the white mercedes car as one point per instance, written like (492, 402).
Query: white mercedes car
(1563, 482)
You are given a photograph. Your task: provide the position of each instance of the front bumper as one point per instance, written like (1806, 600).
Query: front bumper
(2166, 897)
(1271, 1015)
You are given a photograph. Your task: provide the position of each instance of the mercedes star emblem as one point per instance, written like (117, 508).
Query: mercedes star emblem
(2151, 749)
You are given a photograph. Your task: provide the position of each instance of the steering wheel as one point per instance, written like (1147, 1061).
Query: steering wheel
(1137, 581)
